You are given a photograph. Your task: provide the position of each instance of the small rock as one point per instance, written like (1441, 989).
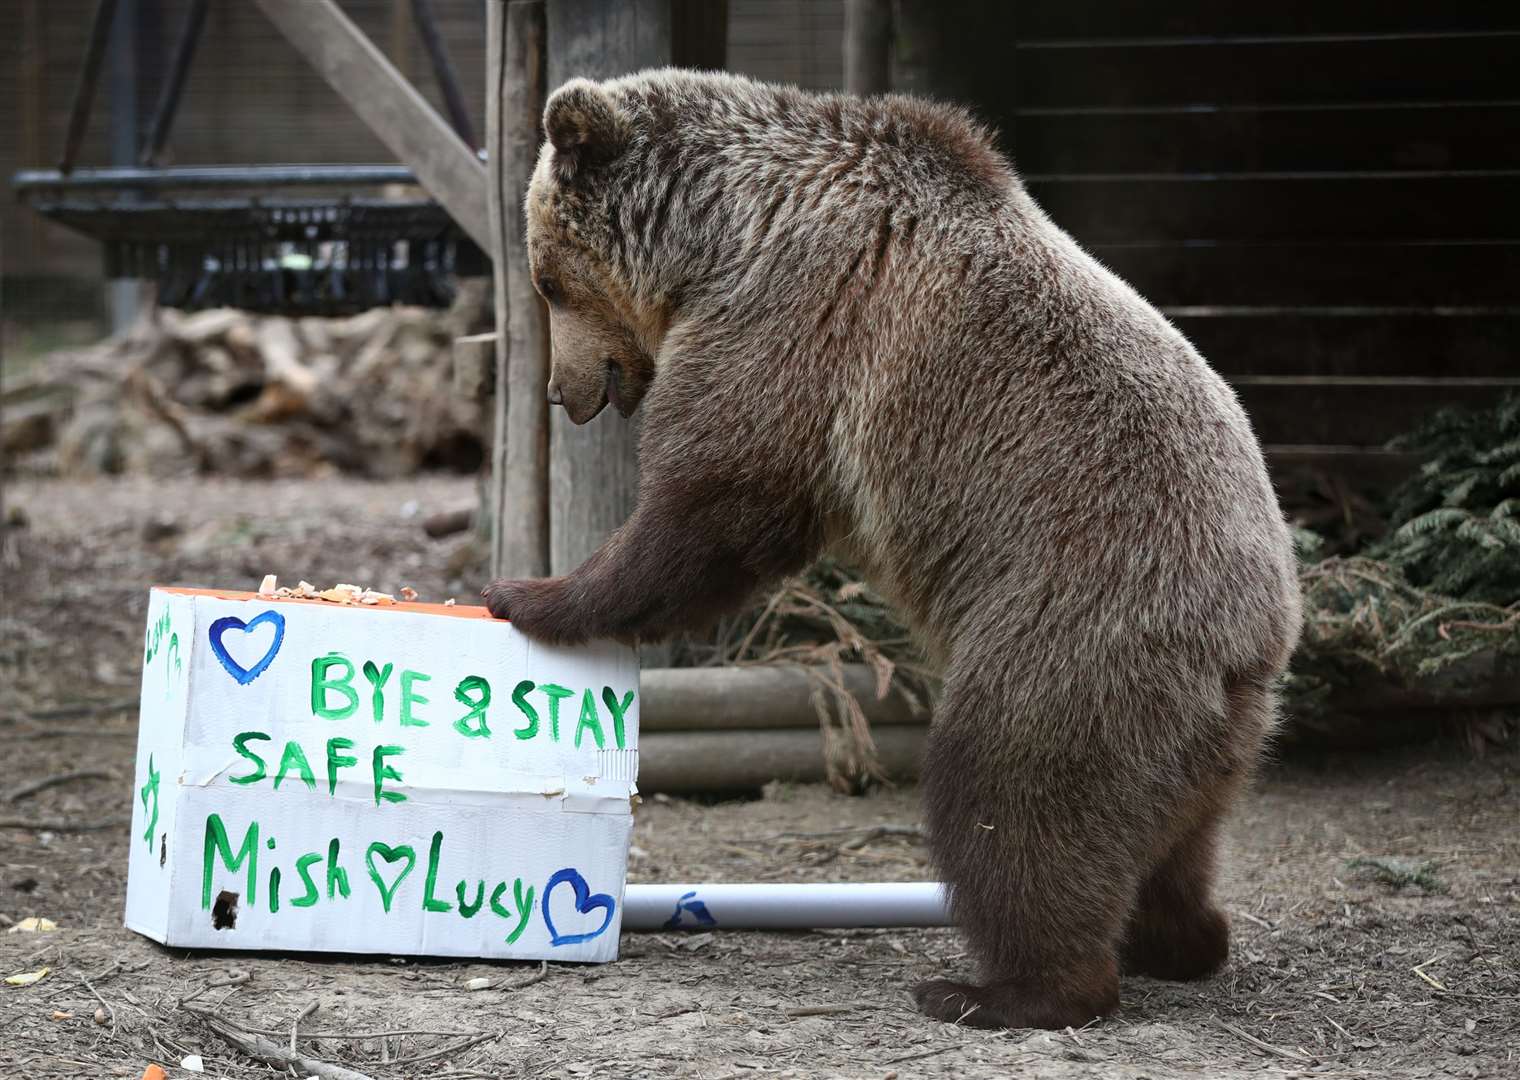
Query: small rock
(160, 527)
(101, 1017)
(478, 983)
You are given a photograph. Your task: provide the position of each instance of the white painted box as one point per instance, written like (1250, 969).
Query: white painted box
(411, 780)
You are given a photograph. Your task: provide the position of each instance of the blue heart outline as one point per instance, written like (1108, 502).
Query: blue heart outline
(246, 675)
(585, 901)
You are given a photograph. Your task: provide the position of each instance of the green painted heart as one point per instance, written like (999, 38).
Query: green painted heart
(391, 855)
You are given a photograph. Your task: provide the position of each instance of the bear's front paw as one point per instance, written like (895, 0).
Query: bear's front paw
(539, 607)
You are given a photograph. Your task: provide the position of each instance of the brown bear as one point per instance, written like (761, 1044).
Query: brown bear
(852, 329)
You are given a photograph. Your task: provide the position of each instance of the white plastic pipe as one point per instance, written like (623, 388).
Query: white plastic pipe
(784, 907)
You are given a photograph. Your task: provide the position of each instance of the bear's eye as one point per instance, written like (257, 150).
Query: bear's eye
(548, 289)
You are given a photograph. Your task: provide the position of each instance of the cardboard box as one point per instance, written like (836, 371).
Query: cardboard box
(409, 779)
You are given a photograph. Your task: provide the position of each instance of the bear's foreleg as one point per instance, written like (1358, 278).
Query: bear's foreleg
(675, 565)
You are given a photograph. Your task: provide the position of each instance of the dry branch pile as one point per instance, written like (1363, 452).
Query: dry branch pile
(225, 392)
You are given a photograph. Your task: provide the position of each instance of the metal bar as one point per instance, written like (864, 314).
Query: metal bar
(213, 176)
(389, 105)
(89, 76)
(174, 85)
(443, 70)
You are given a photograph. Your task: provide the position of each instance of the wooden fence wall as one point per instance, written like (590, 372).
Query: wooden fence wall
(1324, 196)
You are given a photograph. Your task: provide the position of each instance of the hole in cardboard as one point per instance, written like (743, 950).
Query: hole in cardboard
(224, 911)
(163, 848)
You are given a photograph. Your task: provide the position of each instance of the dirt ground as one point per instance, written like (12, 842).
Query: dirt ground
(1338, 970)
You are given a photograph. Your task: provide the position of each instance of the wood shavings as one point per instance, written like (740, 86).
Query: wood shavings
(341, 593)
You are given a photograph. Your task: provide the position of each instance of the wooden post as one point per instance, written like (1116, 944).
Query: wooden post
(389, 105)
(519, 485)
(868, 46)
(593, 470)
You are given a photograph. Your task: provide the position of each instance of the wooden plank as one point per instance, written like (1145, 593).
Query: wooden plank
(1284, 207)
(1279, 71)
(593, 470)
(1147, 18)
(519, 485)
(1320, 275)
(685, 761)
(390, 106)
(1298, 343)
(1354, 414)
(1248, 139)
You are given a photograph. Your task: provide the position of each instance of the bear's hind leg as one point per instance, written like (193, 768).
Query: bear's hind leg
(1039, 846)
(1176, 931)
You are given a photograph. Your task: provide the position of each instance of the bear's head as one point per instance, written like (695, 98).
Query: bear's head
(603, 334)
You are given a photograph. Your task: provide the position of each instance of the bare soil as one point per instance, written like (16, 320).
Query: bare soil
(1338, 969)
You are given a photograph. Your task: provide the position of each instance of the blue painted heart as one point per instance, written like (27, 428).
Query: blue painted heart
(585, 902)
(232, 622)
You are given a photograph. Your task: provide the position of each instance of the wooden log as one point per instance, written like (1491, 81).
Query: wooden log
(868, 46)
(749, 698)
(519, 481)
(745, 760)
(392, 108)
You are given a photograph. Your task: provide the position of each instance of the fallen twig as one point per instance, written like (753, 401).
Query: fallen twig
(447, 1051)
(70, 733)
(296, 1023)
(1290, 1055)
(864, 833)
(26, 790)
(822, 1010)
(538, 976)
(64, 826)
(110, 1012)
(83, 708)
(271, 1053)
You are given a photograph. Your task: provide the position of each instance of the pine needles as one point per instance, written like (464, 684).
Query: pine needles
(1455, 525)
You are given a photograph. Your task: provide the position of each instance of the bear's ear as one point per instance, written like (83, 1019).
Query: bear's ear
(584, 125)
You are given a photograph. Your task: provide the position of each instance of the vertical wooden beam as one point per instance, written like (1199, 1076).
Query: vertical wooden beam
(125, 296)
(389, 105)
(519, 484)
(33, 108)
(868, 46)
(593, 470)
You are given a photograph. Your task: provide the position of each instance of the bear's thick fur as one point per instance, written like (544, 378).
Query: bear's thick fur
(851, 328)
